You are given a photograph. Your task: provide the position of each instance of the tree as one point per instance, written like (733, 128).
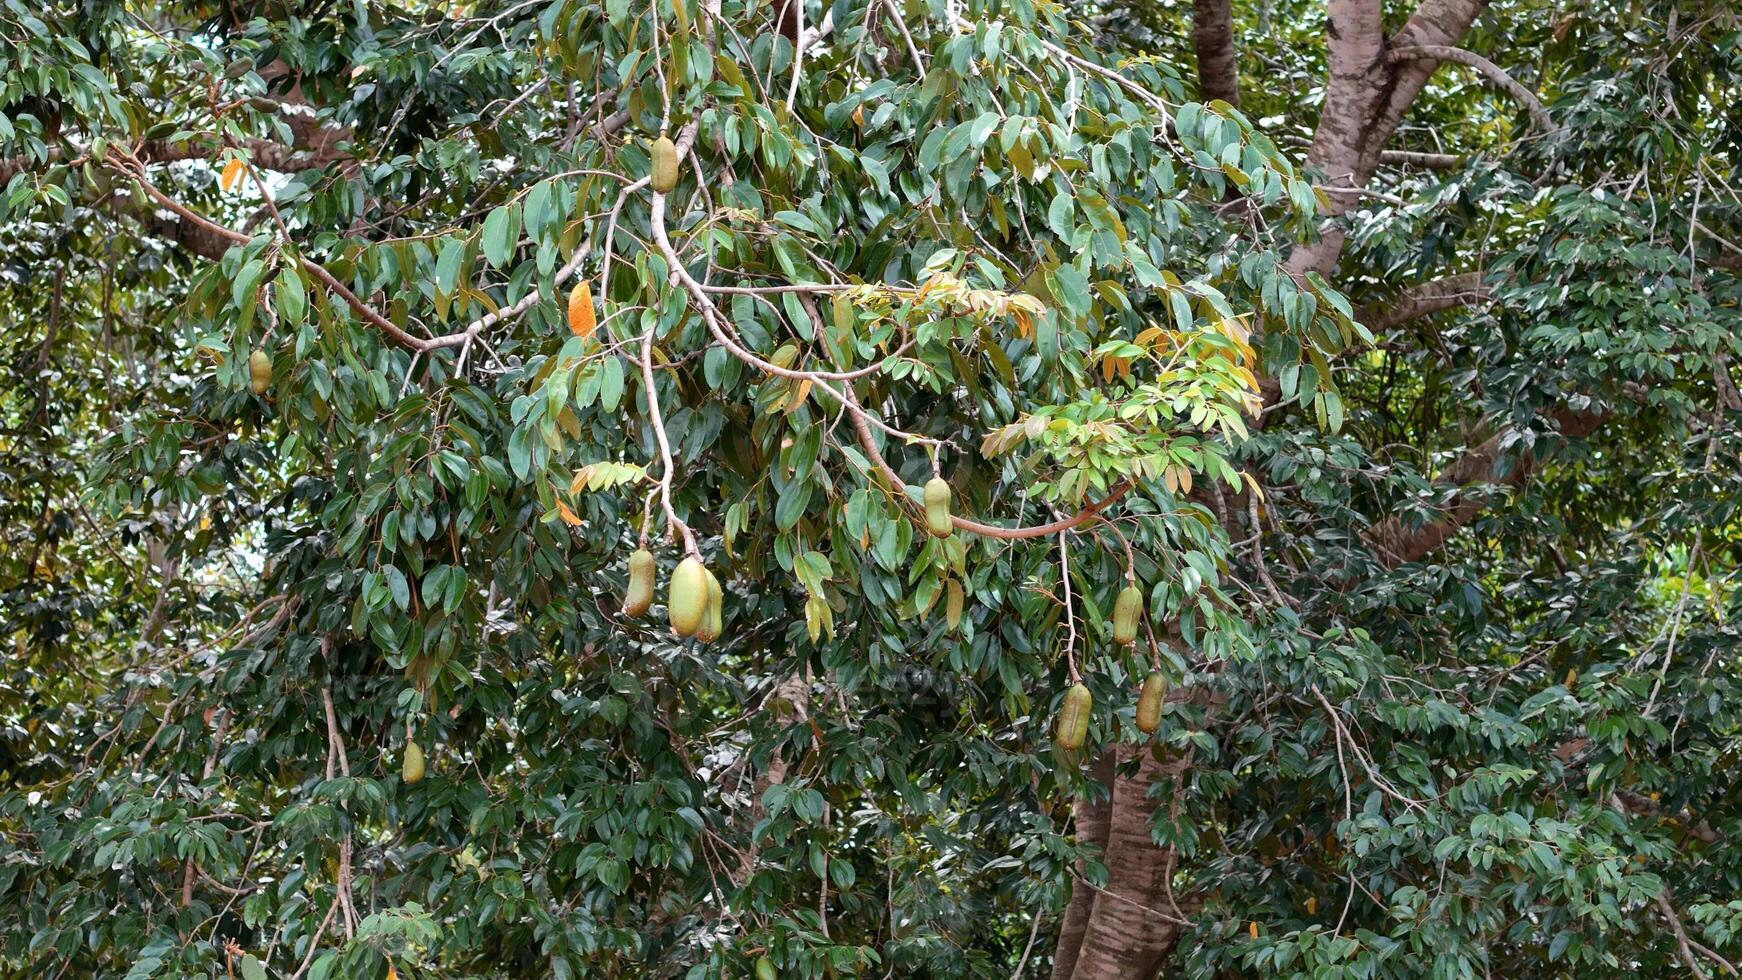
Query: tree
(1445, 662)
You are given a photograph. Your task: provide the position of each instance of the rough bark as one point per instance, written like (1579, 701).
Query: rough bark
(1213, 40)
(1091, 820)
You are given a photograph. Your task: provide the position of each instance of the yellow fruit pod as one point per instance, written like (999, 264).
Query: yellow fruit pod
(1312, 905)
(638, 598)
(582, 320)
(663, 173)
(1073, 718)
(712, 616)
(1151, 702)
(686, 597)
(259, 371)
(411, 767)
(1126, 610)
(937, 507)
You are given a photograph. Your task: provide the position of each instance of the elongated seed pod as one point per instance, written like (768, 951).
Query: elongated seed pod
(259, 371)
(1126, 610)
(686, 597)
(639, 596)
(712, 623)
(953, 599)
(663, 175)
(1151, 701)
(411, 768)
(582, 320)
(937, 507)
(1073, 719)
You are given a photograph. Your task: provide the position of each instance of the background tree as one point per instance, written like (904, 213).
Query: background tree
(1446, 659)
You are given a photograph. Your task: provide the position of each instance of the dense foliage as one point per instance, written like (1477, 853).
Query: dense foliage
(1442, 595)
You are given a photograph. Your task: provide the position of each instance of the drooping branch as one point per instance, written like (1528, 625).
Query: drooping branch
(1424, 299)
(1213, 40)
(203, 235)
(1494, 73)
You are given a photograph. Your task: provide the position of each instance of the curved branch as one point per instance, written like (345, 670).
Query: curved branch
(1494, 73)
(204, 231)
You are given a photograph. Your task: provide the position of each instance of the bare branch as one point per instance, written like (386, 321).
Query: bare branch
(1494, 73)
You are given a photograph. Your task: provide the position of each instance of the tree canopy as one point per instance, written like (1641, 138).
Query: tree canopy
(355, 351)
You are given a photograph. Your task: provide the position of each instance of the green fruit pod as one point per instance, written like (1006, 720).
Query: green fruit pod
(638, 598)
(1126, 611)
(937, 507)
(765, 969)
(686, 597)
(663, 174)
(1151, 701)
(1073, 718)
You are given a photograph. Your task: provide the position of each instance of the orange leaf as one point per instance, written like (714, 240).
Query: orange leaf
(582, 321)
(232, 173)
(567, 515)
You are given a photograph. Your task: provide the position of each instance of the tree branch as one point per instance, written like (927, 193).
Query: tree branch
(1494, 73)
(1423, 299)
(1398, 544)
(1412, 158)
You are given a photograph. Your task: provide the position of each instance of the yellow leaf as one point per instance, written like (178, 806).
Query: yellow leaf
(232, 173)
(799, 392)
(569, 517)
(582, 321)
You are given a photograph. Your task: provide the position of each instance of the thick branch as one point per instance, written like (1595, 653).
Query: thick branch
(1398, 544)
(1434, 22)
(1494, 73)
(1213, 40)
(1424, 299)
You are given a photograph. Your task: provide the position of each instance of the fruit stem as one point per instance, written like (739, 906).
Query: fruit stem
(1070, 617)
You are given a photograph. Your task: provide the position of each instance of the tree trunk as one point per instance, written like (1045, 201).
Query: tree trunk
(1091, 825)
(1213, 40)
